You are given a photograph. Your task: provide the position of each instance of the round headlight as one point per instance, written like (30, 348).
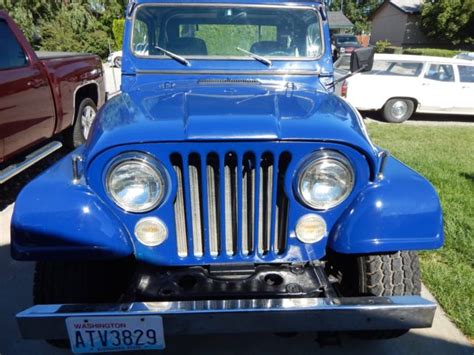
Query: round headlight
(325, 180)
(135, 183)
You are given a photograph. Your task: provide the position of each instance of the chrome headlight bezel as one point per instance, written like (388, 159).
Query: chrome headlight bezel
(147, 161)
(316, 158)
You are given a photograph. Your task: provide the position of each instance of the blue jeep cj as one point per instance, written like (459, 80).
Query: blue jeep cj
(226, 189)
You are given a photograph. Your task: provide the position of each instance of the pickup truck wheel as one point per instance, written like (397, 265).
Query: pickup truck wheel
(396, 274)
(80, 282)
(85, 115)
(398, 110)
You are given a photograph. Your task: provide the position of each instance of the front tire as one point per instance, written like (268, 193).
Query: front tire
(79, 282)
(398, 110)
(85, 115)
(395, 274)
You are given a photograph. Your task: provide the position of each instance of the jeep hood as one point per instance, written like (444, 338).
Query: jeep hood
(213, 112)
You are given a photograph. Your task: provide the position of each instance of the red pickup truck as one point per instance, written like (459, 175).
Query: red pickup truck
(41, 96)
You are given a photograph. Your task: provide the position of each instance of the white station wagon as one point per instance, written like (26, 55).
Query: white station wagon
(400, 85)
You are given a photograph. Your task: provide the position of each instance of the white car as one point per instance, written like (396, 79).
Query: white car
(465, 55)
(115, 59)
(400, 85)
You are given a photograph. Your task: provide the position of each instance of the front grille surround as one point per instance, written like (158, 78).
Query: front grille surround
(288, 249)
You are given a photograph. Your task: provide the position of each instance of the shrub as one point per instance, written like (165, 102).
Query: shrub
(393, 50)
(435, 52)
(381, 46)
(117, 29)
(74, 29)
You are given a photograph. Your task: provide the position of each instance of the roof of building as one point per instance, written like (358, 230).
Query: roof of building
(408, 6)
(338, 20)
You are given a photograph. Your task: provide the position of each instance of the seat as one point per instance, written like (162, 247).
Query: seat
(187, 46)
(267, 47)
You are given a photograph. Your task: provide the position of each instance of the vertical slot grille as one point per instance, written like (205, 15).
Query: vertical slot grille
(281, 221)
(212, 166)
(196, 198)
(179, 209)
(230, 197)
(248, 210)
(230, 204)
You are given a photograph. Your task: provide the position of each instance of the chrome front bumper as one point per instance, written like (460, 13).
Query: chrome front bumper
(244, 316)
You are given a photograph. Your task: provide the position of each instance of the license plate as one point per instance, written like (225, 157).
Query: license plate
(101, 334)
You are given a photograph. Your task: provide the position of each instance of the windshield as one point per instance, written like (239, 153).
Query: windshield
(346, 39)
(217, 31)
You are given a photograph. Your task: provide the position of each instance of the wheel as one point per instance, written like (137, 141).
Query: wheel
(80, 282)
(396, 274)
(118, 62)
(85, 114)
(398, 110)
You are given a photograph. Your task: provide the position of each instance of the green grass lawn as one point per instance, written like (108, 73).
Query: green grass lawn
(445, 156)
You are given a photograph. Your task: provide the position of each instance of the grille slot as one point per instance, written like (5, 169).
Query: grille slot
(179, 209)
(212, 167)
(230, 204)
(248, 208)
(196, 195)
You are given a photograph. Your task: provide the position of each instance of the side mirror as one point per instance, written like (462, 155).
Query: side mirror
(362, 59)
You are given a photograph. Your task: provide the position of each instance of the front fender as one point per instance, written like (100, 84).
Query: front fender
(401, 211)
(55, 218)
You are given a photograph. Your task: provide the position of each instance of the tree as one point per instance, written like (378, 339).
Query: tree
(117, 29)
(449, 20)
(75, 29)
(28, 14)
(45, 23)
(358, 11)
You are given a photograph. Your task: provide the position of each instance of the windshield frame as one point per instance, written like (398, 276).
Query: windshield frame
(226, 5)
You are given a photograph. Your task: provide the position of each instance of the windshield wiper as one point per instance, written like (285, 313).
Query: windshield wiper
(261, 59)
(175, 56)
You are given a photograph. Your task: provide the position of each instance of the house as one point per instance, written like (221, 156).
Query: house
(399, 22)
(338, 23)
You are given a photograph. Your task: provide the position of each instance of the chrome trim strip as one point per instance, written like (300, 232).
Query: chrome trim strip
(229, 72)
(77, 171)
(383, 155)
(244, 315)
(196, 198)
(180, 214)
(31, 159)
(212, 203)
